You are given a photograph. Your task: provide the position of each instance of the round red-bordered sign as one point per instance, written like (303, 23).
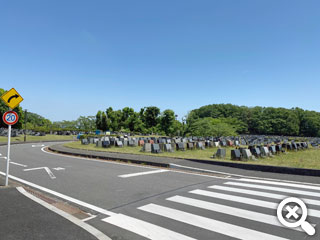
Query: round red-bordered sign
(10, 118)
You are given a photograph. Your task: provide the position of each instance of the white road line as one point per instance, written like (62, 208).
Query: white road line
(262, 194)
(95, 232)
(248, 201)
(237, 212)
(89, 218)
(209, 224)
(38, 145)
(142, 173)
(281, 184)
(314, 194)
(45, 168)
(18, 164)
(238, 175)
(60, 195)
(144, 229)
(4, 157)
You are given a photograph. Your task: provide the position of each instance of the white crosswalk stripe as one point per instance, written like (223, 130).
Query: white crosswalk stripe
(208, 224)
(185, 210)
(262, 194)
(254, 216)
(279, 189)
(249, 201)
(144, 229)
(311, 187)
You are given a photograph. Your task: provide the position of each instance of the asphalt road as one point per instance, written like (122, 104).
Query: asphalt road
(162, 204)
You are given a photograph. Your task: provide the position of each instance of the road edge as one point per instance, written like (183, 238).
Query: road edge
(93, 231)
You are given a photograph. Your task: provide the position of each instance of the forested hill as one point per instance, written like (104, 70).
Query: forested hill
(262, 120)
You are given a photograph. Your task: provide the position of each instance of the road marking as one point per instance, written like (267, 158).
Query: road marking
(60, 195)
(18, 164)
(262, 194)
(238, 175)
(144, 229)
(45, 168)
(314, 194)
(4, 157)
(142, 173)
(59, 168)
(208, 224)
(95, 232)
(248, 201)
(281, 184)
(237, 212)
(89, 218)
(38, 145)
(172, 170)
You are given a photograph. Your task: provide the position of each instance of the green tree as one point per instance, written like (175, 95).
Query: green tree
(104, 124)
(151, 116)
(167, 121)
(99, 120)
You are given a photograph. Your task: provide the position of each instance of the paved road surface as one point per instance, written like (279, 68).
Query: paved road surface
(136, 202)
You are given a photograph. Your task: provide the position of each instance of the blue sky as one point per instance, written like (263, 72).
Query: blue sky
(72, 58)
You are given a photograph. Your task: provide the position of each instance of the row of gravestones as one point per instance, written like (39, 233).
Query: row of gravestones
(106, 142)
(254, 152)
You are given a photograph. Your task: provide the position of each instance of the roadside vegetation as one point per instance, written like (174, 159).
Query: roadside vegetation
(301, 159)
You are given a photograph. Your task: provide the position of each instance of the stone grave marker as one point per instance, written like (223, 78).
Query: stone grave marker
(199, 145)
(190, 145)
(235, 154)
(146, 147)
(99, 143)
(168, 148)
(221, 153)
(180, 146)
(119, 144)
(246, 154)
(155, 148)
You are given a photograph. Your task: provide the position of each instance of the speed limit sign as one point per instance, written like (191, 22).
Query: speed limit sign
(10, 118)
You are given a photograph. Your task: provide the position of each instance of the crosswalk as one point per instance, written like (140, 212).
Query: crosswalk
(236, 209)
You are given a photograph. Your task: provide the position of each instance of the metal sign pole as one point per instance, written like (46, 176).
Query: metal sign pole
(8, 154)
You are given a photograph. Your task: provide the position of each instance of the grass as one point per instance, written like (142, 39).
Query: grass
(37, 138)
(302, 159)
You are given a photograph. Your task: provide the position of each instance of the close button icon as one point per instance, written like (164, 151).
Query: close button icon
(293, 214)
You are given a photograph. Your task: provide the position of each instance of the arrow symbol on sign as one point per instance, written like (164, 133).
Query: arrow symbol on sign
(45, 168)
(14, 96)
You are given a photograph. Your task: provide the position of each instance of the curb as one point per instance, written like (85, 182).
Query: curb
(90, 155)
(263, 168)
(252, 167)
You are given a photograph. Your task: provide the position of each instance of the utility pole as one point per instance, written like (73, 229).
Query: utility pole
(25, 125)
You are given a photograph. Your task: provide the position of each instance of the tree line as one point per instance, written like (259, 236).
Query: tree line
(261, 120)
(147, 120)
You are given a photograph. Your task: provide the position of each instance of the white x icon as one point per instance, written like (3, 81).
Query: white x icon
(292, 212)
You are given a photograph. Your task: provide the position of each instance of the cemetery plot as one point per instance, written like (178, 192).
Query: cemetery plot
(277, 151)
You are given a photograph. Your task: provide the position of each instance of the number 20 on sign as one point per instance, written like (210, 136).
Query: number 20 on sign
(10, 118)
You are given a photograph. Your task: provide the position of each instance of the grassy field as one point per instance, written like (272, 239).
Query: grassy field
(37, 138)
(302, 159)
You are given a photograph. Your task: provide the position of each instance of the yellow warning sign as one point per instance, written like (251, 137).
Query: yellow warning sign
(12, 98)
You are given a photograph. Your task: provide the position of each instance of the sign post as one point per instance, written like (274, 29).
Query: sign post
(9, 118)
(12, 99)
(8, 155)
